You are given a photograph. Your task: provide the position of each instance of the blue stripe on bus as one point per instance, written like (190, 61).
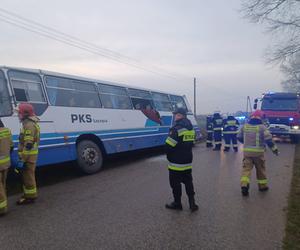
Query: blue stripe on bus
(54, 148)
(101, 132)
(55, 138)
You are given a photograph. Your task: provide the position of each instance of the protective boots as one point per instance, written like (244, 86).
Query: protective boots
(245, 190)
(174, 205)
(193, 206)
(226, 149)
(263, 189)
(25, 201)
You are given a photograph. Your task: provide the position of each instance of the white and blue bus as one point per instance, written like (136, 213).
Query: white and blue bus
(84, 119)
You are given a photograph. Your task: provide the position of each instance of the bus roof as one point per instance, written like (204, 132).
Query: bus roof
(46, 72)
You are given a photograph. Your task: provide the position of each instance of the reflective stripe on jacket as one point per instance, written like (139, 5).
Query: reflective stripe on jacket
(179, 145)
(29, 135)
(217, 124)
(209, 127)
(6, 144)
(254, 137)
(230, 126)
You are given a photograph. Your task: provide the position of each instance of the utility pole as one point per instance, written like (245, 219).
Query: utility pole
(249, 106)
(195, 100)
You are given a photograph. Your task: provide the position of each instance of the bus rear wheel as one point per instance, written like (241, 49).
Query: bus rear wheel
(89, 157)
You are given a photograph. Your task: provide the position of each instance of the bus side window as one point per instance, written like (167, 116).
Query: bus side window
(20, 95)
(137, 106)
(27, 86)
(178, 102)
(72, 93)
(140, 98)
(114, 97)
(140, 103)
(72, 102)
(106, 101)
(162, 101)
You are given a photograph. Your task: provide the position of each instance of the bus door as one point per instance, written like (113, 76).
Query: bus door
(5, 101)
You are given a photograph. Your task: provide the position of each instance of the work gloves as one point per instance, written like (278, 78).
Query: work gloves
(20, 166)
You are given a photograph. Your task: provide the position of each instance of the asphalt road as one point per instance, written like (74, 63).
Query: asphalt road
(122, 207)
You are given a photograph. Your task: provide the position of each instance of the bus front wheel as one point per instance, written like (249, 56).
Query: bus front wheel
(89, 157)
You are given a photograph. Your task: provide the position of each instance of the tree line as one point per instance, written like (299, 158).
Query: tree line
(282, 20)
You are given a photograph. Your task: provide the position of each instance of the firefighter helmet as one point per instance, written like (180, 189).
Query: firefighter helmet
(25, 110)
(258, 114)
(216, 115)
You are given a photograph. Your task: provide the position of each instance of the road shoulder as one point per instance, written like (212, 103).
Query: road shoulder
(292, 231)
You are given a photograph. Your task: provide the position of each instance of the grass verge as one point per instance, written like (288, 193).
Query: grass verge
(292, 231)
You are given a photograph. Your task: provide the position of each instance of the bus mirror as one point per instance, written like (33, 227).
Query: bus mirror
(255, 106)
(256, 101)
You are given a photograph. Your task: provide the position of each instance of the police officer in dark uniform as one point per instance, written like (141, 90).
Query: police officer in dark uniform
(180, 156)
(230, 131)
(210, 132)
(218, 124)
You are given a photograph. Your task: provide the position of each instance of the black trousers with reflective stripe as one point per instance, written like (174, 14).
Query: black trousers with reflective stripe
(178, 177)
(209, 137)
(218, 136)
(230, 138)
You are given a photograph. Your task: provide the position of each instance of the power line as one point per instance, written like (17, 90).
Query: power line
(45, 34)
(44, 27)
(56, 35)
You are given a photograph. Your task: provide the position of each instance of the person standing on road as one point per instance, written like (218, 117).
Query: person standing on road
(217, 123)
(28, 152)
(210, 132)
(255, 135)
(6, 148)
(180, 156)
(230, 130)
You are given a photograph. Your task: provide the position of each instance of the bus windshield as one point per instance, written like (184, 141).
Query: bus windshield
(5, 104)
(279, 104)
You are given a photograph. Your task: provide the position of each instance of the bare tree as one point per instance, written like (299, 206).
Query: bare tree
(291, 71)
(282, 18)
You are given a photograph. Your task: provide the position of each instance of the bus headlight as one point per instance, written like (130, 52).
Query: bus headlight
(295, 127)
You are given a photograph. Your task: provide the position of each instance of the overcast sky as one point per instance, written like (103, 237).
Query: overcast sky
(204, 39)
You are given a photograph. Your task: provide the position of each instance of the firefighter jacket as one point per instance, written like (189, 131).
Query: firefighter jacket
(29, 140)
(255, 135)
(230, 126)
(209, 126)
(217, 123)
(6, 146)
(179, 145)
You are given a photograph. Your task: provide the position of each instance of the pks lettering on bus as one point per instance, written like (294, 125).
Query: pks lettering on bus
(81, 118)
(86, 118)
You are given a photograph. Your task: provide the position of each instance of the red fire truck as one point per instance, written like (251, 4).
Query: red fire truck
(282, 111)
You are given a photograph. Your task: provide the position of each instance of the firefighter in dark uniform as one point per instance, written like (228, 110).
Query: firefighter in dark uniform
(218, 124)
(6, 148)
(230, 131)
(210, 132)
(180, 156)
